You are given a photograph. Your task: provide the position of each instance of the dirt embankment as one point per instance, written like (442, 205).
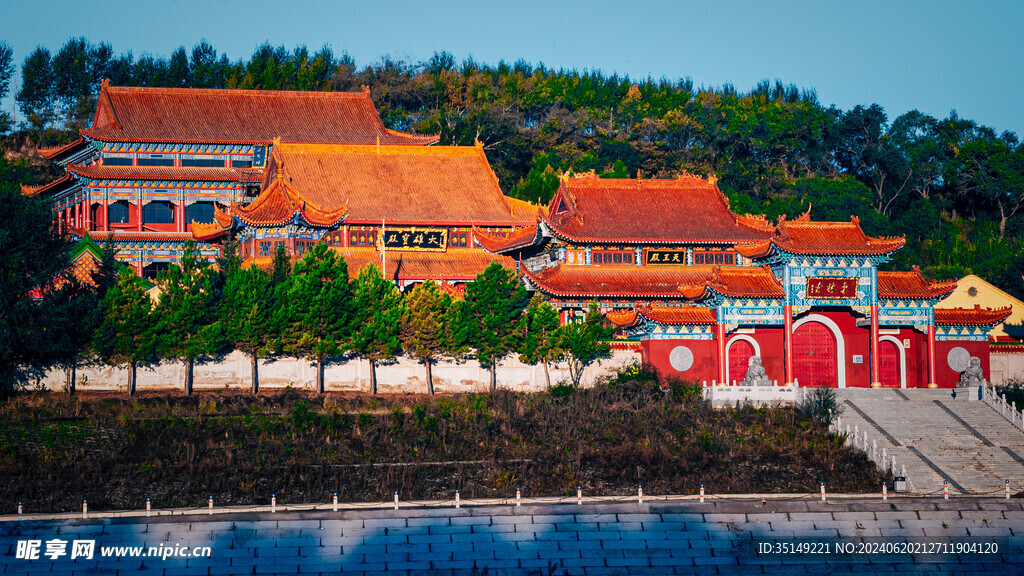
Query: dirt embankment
(55, 450)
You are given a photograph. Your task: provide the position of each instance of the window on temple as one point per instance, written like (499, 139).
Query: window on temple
(241, 163)
(94, 216)
(714, 257)
(362, 238)
(156, 161)
(117, 161)
(120, 212)
(334, 238)
(209, 162)
(158, 213)
(263, 248)
(199, 212)
(611, 257)
(151, 271)
(459, 239)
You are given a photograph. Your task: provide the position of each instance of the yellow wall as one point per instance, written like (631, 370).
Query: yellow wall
(986, 296)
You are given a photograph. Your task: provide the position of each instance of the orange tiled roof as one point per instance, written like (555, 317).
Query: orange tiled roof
(57, 184)
(136, 114)
(134, 235)
(519, 238)
(911, 285)
(687, 209)
(976, 316)
(802, 236)
(439, 185)
(281, 203)
(55, 152)
(663, 315)
(454, 265)
(655, 281)
(100, 172)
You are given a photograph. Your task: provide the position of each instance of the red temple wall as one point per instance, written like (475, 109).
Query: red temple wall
(945, 376)
(705, 358)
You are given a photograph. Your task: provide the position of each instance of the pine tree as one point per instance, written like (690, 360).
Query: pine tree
(187, 311)
(126, 333)
(584, 342)
(423, 325)
(376, 323)
(247, 315)
(315, 310)
(538, 342)
(490, 317)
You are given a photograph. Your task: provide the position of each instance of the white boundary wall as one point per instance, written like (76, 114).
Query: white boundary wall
(403, 375)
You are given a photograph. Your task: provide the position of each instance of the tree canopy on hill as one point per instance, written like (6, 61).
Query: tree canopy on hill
(955, 188)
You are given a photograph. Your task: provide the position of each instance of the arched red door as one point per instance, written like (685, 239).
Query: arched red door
(814, 355)
(888, 364)
(740, 352)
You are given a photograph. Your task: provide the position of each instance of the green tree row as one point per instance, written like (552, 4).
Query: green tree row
(313, 310)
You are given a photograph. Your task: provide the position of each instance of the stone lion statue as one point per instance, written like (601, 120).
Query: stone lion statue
(756, 376)
(972, 376)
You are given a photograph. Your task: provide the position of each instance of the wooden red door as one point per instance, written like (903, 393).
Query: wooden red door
(740, 352)
(888, 364)
(814, 355)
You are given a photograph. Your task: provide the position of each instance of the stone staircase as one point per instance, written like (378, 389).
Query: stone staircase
(937, 438)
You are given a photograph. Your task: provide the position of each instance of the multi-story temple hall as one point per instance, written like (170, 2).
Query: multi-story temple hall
(704, 289)
(158, 160)
(698, 289)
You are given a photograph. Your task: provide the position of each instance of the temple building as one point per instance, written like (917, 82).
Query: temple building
(703, 289)
(410, 210)
(695, 287)
(157, 160)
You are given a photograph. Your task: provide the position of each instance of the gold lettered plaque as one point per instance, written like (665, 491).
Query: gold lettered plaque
(831, 288)
(665, 257)
(423, 239)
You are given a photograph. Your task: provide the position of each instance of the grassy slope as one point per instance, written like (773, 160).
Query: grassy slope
(54, 451)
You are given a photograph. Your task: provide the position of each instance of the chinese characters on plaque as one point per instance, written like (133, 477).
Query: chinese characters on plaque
(416, 239)
(831, 288)
(665, 257)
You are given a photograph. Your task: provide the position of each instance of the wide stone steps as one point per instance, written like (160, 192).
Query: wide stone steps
(921, 477)
(972, 445)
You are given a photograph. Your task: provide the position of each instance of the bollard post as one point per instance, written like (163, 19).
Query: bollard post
(273, 503)
(210, 503)
(85, 508)
(822, 491)
(457, 504)
(396, 499)
(702, 493)
(945, 489)
(335, 501)
(640, 494)
(885, 491)
(148, 507)
(1007, 492)
(519, 497)
(579, 495)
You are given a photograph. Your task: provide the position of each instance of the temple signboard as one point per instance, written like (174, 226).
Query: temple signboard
(423, 239)
(664, 257)
(831, 288)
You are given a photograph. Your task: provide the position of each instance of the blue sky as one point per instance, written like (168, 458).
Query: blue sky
(935, 56)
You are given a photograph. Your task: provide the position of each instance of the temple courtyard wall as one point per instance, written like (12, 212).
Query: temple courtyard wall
(733, 535)
(402, 375)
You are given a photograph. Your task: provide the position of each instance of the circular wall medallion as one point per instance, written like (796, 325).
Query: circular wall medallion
(972, 291)
(681, 358)
(958, 359)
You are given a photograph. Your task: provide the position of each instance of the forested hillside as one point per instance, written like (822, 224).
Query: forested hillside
(954, 188)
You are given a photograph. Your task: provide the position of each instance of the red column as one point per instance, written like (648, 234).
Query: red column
(931, 356)
(180, 215)
(875, 383)
(787, 327)
(721, 354)
(106, 215)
